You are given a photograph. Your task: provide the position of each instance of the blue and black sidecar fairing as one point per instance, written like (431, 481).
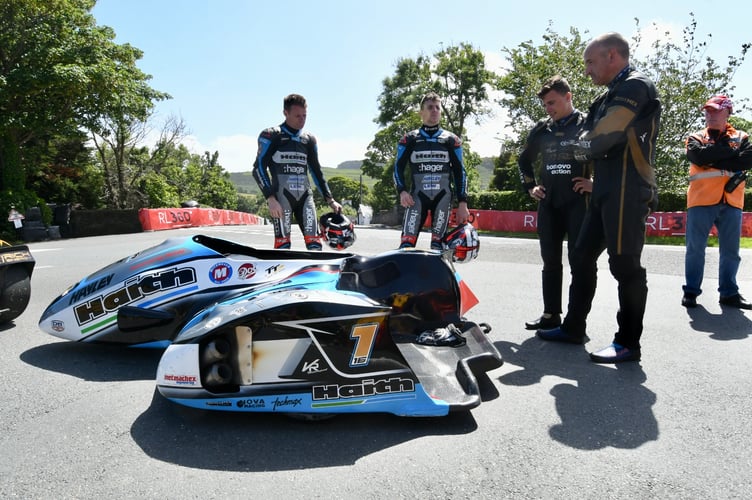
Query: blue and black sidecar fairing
(350, 347)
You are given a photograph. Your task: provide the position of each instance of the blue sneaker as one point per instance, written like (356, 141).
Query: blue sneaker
(615, 353)
(558, 334)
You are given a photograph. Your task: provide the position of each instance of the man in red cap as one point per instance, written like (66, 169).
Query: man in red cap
(719, 158)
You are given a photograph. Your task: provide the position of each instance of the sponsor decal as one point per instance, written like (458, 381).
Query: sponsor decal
(310, 221)
(298, 295)
(213, 322)
(312, 367)
(251, 403)
(246, 271)
(431, 187)
(440, 218)
(219, 403)
(368, 387)
(180, 379)
(429, 156)
(274, 269)
(15, 256)
(220, 273)
(90, 288)
(237, 311)
(435, 167)
(133, 290)
(432, 178)
(293, 402)
(58, 325)
(412, 223)
(281, 157)
(559, 169)
(293, 169)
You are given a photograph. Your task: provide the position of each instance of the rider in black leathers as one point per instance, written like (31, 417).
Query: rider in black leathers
(562, 190)
(435, 159)
(285, 156)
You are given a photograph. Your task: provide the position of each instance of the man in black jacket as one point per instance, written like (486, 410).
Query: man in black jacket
(562, 191)
(620, 137)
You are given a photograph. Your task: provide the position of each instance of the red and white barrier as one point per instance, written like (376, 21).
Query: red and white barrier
(157, 219)
(656, 224)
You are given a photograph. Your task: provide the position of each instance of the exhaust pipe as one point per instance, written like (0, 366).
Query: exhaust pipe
(219, 374)
(216, 350)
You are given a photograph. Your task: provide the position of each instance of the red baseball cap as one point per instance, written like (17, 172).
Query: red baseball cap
(719, 102)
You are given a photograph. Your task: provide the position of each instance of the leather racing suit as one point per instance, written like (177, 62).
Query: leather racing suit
(285, 157)
(620, 137)
(561, 212)
(435, 160)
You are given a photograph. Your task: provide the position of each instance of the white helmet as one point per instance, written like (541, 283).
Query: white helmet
(463, 242)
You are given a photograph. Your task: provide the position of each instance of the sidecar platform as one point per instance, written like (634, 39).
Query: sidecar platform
(449, 373)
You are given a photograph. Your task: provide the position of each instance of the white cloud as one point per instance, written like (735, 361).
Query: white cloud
(236, 152)
(335, 151)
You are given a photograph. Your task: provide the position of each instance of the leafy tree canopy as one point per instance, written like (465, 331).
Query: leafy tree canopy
(59, 73)
(459, 75)
(683, 73)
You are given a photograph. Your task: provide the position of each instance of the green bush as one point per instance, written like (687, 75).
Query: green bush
(521, 202)
(501, 200)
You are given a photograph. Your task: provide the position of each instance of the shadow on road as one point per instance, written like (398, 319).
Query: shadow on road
(230, 441)
(242, 441)
(608, 405)
(730, 324)
(95, 362)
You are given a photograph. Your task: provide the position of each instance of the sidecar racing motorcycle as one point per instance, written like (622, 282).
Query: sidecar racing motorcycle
(308, 333)
(16, 266)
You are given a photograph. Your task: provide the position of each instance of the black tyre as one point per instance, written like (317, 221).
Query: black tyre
(15, 292)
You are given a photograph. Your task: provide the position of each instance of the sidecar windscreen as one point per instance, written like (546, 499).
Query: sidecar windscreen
(415, 283)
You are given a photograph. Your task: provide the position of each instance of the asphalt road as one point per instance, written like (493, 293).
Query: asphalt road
(85, 421)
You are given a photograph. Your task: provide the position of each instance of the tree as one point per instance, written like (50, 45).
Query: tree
(214, 188)
(60, 72)
(531, 65)
(506, 173)
(458, 75)
(60, 170)
(175, 175)
(684, 76)
(125, 160)
(343, 188)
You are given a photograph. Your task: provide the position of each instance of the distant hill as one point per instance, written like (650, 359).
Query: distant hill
(349, 165)
(351, 169)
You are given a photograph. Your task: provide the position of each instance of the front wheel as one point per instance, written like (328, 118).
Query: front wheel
(15, 292)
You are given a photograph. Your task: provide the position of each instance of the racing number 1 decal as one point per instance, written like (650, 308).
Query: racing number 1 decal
(365, 338)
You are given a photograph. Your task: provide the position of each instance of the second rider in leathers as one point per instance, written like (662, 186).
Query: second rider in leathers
(435, 160)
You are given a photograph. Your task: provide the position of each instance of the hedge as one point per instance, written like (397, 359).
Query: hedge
(522, 202)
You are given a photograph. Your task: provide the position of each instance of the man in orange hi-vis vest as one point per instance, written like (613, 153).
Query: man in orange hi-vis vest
(719, 158)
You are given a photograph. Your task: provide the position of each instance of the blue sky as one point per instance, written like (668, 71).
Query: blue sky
(229, 63)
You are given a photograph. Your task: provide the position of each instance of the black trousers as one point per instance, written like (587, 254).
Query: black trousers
(554, 224)
(615, 223)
